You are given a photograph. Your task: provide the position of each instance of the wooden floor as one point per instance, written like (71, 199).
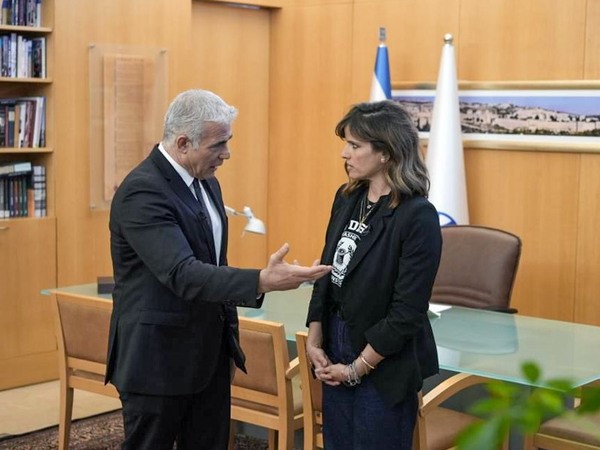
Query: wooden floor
(35, 407)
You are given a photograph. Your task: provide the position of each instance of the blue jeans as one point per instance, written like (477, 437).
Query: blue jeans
(356, 418)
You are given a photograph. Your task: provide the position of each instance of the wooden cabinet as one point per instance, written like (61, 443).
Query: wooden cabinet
(28, 244)
(27, 265)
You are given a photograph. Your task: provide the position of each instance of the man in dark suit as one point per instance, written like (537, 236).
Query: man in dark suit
(174, 328)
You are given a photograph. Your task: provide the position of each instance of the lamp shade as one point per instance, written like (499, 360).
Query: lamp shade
(254, 225)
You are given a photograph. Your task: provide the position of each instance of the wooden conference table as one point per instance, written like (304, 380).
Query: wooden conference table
(477, 342)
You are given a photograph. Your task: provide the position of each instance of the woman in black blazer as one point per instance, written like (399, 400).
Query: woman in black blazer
(369, 340)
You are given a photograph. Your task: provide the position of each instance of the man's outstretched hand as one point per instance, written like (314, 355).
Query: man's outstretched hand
(281, 276)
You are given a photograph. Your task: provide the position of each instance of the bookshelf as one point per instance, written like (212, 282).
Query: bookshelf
(27, 242)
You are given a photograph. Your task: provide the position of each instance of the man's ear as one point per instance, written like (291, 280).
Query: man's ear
(181, 142)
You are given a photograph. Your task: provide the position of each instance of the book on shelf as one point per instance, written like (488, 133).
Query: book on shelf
(22, 56)
(26, 13)
(15, 167)
(23, 125)
(22, 190)
(38, 57)
(38, 182)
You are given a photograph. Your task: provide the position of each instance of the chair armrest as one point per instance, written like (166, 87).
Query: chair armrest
(503, 309)
(293, 369)
(447, 389)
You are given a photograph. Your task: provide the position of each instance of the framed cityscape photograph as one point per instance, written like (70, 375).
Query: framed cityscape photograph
(547, 115)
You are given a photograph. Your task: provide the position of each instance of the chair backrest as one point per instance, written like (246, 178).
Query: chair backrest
(312, 398)
(267, 360)
(477, 267)
(82, 325)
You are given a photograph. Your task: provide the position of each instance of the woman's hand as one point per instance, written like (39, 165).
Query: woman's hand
(332, 374)
(317, 357)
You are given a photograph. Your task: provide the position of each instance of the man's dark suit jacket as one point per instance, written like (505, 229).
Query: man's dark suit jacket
(386, 291)
(173, 305)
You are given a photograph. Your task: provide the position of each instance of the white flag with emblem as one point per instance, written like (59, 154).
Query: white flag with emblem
(445, 158)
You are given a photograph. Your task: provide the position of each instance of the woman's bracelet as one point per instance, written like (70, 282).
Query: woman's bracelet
(352, 378)
(366, 363)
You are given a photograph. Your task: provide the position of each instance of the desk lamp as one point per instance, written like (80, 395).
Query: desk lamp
(254, 225)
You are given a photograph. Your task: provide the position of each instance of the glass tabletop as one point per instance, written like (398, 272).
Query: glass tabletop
(479, 342)
(472, 341)
(85, 290)
(495, 345)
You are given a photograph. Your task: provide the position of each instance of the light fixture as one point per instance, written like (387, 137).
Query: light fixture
(254, 225)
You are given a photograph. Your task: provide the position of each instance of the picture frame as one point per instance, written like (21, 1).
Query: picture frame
(518, 115)
(128, 90)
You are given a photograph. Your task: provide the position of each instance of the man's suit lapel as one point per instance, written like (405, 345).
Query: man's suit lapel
(185, 194)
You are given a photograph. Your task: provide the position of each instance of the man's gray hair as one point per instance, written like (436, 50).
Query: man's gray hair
(190, 109)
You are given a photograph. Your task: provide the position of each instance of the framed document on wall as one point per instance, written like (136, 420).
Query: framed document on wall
(128, 96)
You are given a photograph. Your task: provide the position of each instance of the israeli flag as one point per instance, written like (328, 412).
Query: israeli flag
(445, 159)
(381, 87)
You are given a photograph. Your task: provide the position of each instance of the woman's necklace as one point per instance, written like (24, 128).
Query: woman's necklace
(366, 208)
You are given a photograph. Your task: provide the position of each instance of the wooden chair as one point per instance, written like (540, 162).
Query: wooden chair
(437, 427)
(478, 267)
(567, 433)
(265, 396)
(312, 398)
(81, 325)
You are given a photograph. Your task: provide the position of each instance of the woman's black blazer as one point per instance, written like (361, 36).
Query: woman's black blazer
(386, 291)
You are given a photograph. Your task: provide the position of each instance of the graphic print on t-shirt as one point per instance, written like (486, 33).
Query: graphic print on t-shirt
(345, 250)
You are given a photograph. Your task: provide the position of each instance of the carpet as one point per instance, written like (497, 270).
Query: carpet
(101, 432)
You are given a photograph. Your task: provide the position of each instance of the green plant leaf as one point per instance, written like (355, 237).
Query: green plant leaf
(488, 406)
(525, 419)
(551, 402)
(590, 400)
(487, 435)
(531, 371)
(501, 389)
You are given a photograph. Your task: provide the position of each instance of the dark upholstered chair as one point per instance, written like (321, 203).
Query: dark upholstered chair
(269, 394)
(312, 398)
(477, 268)
(81, 325)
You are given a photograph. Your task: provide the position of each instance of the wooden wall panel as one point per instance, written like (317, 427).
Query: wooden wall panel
(231, 57)
(310, 81)
(415, 36)
(82, 239)
(592, 40)
(521, 40)
(587, 306)
(294, 71)
(534, 195)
